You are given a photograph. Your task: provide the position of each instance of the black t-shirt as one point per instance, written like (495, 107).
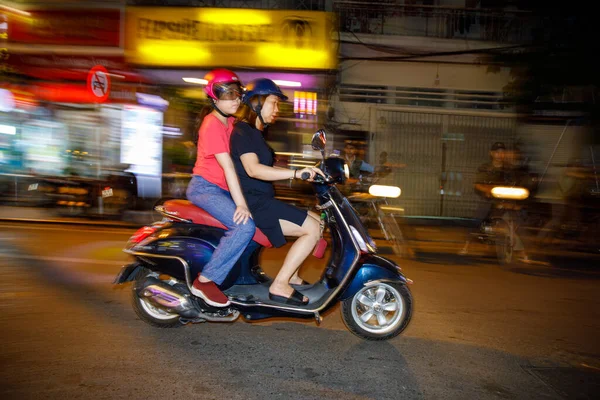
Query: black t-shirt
(488, 174)
(246, 139)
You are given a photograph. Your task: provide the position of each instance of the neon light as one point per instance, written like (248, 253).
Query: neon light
(514, 193)
(384, 191)
(287, 83)
(195, 80)
(296, 102)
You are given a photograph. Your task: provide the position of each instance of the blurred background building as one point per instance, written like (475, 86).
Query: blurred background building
(423, 81)
(430, 83)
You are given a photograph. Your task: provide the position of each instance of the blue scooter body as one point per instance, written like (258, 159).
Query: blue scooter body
(181, 249)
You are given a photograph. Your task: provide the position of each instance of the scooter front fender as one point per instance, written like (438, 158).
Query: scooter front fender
(373, 268)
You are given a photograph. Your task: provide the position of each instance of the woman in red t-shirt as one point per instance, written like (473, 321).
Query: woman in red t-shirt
(215, 187)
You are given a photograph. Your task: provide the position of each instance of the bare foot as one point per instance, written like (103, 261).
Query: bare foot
(296, 281)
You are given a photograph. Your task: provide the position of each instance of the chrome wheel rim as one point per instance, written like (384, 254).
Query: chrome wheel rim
(378, 308)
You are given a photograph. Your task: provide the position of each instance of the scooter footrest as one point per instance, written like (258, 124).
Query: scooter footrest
(244, 298)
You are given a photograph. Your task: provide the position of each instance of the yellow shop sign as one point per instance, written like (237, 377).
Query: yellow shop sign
(210, 37)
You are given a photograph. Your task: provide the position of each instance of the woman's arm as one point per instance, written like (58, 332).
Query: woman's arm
(256, 170)
(224, 160)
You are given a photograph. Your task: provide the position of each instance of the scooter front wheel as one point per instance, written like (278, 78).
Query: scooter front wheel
(505, 241)
(378, 312)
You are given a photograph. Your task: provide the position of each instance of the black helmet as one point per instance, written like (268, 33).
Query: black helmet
(262, 87)
(498, 146)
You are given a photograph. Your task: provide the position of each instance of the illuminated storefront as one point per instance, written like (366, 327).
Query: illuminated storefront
(176, 47)
(193, 37)
(71, 63)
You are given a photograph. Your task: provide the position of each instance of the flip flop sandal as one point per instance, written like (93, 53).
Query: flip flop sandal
(295, 299)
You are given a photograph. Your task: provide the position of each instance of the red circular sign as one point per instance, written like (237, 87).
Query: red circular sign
(98, 82)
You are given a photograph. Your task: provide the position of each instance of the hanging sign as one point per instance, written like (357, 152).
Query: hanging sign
(188, 37)
(98, 82)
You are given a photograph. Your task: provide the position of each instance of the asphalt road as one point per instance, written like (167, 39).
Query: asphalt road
(478, 332)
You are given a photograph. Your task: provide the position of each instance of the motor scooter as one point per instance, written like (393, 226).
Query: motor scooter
(500, 227)
(376, 302)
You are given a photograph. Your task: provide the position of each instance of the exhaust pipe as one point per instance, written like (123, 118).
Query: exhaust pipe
(167, 298)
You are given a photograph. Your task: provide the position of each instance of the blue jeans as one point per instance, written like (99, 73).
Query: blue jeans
(218, 203)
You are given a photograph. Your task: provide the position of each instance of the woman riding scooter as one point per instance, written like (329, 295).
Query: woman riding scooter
(215, 187)
(376, 303)
(253, 160)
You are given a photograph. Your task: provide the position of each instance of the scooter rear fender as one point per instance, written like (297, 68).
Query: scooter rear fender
(179, 250)
(127, 273)
(374, 268)
(182, 251)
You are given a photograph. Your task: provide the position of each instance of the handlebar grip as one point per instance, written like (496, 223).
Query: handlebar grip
(305, 176)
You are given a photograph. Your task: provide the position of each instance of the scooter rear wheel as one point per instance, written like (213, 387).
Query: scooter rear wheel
(378, 312)
(148, 312)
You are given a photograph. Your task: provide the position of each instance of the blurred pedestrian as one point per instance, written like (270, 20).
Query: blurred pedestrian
(355, 164)
(565, 202)
(215, 188)
(384, 167)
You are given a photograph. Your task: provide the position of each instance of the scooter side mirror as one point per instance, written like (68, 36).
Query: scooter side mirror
(318, 140)
(318, 143)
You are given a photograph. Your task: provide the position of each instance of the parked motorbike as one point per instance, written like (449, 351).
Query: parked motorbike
(376, 302)
(76, 196)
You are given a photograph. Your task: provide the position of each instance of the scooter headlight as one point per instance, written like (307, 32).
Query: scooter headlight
(510, 193)
(391, 192)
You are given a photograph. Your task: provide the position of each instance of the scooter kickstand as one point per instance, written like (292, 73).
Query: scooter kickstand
(318, 318)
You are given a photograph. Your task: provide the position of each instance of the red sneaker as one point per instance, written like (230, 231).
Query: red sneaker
(210, 293)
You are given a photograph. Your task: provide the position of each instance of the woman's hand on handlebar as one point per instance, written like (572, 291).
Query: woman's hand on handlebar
(241, 215)
(311, 171)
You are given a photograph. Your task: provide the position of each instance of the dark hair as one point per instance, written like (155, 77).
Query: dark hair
(247, 114)
(207, 109)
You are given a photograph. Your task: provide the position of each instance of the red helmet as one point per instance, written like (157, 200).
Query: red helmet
(219, 78)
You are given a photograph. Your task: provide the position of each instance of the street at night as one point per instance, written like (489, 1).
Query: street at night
(316, 199)
(478, 331)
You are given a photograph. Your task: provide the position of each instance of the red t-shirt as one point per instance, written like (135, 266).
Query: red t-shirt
(213, 138)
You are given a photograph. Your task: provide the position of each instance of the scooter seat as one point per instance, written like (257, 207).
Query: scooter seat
(185, 209)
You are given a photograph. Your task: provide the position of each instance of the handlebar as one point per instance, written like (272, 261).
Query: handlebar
(317, 179)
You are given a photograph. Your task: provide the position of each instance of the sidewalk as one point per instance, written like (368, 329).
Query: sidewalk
(427, 236)
(48, 215)
(416, 229)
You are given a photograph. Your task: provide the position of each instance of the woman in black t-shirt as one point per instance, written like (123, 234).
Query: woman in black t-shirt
(253, 160)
